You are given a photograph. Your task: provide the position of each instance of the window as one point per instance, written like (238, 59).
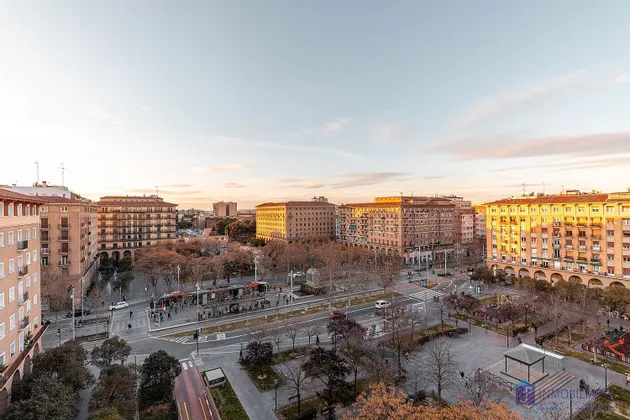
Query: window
(12, 350)
(12, 322)
(28, 234)
(11, 266)
(11, 239)
(34, 300)
(34, 278)
(34, 233)
(1, 270)
(34, 255)
(12, 294)
(2, 333)
(1, 239)
(19, 209)
(28, 259)
(1, 300)
(43, 209)
(63, 209)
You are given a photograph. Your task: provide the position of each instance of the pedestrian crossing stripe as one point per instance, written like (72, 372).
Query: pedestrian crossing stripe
(426, 294)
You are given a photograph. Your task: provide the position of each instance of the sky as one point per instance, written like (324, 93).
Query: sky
(256, 101)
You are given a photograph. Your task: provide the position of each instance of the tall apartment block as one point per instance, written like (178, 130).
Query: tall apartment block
(127, 223)
(223, 209)
(575, 236)
(480, 224)
(21, 327)
(415, 228)
(295, 220)
(464, 219)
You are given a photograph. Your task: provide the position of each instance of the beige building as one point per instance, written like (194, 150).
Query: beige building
(480, 224)
(20, 307)
(581, 237)
(126, 223)
(416, 228)
(295, 220)
(464, 220)
(223, 209)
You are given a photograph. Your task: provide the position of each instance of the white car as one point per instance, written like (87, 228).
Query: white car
(119, 305)
(382, 304)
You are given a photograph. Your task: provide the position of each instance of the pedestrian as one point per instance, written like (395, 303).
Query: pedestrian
(162, 317)
(317, 340)
(175, 309)
(129, 328)
(130, 314)
(168, 316)
(627, 379)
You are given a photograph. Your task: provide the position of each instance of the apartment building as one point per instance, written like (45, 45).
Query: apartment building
(479, 232)
(575, 236)
(464, 220)
(68, 239)
(223, 209)
(127, 223)
(21, 328)
(416, 228)
(295, 220)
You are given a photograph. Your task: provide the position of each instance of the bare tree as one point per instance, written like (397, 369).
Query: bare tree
(312, 330)
(379, 369)
(331, 257)
(291, 330)
(258, 333)
(58, 290)
(416, 318)
(387, 268)
(440, 367)
(442, 308)
(479, 389)
(295, 377)
(276, 335)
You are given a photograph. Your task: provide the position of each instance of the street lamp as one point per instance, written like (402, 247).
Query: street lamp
(73, 321)
(82, 280)
(178, 271)
(197, 302)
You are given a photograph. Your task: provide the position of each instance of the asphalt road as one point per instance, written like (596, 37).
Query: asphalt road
(191, 395)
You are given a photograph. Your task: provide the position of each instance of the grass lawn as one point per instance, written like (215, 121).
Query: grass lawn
(289, 355)
(270, 377)
(615, 405)
(271, 317)
(230, 408)
(289, 412)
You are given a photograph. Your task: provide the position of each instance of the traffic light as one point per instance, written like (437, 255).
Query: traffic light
(196, 335)
(58, 332)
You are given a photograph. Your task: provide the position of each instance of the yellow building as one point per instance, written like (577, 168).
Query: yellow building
(126, 223)
(295, 220)
(581, 237)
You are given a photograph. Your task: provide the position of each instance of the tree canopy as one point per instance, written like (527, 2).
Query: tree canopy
(111, 350)
(51, 399)
(157, 380)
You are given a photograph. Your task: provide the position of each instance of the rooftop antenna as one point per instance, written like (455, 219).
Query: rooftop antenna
(63, 174)
(543, 188)
(157, 192)
(37, 166)
(523, 188)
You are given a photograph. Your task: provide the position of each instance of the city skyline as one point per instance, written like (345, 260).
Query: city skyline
(254, 102)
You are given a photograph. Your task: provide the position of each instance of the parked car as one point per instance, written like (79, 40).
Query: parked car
(299, 273)
(338, 315)
(77, 312)
(119, 305)
(382, 304)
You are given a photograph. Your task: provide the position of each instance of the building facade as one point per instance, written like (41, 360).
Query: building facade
(68, 239)
(480, 224)
(415, 228)
(295, 220)
(20, 307)
(223, 209)
(127, 223)
(575, 236)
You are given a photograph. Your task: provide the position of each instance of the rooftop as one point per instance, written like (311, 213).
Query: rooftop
(555, 199)
(10, 195)
(297, 203)
(52, 199)
(133, 200)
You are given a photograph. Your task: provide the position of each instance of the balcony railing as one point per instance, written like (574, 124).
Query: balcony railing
(8, 373)
(22, 297)
(64, 263)
(22, 245)
(63, 225)
(62, 251)
(24, 323)
(63, 238)
(45, 251)
(22, 270)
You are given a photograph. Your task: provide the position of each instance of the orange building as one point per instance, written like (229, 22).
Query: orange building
(575, 236)
(20, 301)
(126, 223)
(295, 220)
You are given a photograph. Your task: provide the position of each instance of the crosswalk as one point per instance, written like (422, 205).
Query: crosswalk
(425, 294)
(119, 325)
(191, 363)
(187, 339)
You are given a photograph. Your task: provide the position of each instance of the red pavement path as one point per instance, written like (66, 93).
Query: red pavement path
(191, 394)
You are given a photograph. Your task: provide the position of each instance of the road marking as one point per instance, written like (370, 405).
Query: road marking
(186, 410)
(203, 410)
(184, 366)
(190, 364)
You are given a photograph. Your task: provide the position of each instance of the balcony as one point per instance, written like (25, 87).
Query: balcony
(22, 245)
(626, 251)
(568, 246)
(22, 270)
(15, 364)
(596, 248)
(63, 238)
(23, 324)
(45, 251)
(610, 250)
(63, 251)
(64, 263)
(626, 239)
(63, 226)
(22, 298)
(626, 264)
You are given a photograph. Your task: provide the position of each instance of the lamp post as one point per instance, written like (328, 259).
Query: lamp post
(605, 377)
(275, 396)
(197, 302)
(73, 321)
(178, 271)
(255, 270)
(82, 280)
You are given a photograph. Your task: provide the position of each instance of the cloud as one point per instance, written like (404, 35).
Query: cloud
(433, 177)
(107, 117)
(233, 185)
(369, 178)
(234, 167)
(503, 102)
(179, 186)
(581, 145)
(603, 162)
(296, 148)
(145, 108)
(330, 127)
(162, 191)
(391, 132)
(308, 185)
(623, 78)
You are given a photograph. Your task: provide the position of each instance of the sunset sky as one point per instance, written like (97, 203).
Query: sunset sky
(272, 100)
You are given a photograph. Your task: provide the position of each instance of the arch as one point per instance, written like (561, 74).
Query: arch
(17, 377)
(37, 350)
(575, 279)
(28, 365)
(508, 270)
(523, 272)
(4, 400)
(595, 283)
(555, 277)
(540, 275)
(115, 255)
(617, 284)
(104, 257)
(127, 255)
